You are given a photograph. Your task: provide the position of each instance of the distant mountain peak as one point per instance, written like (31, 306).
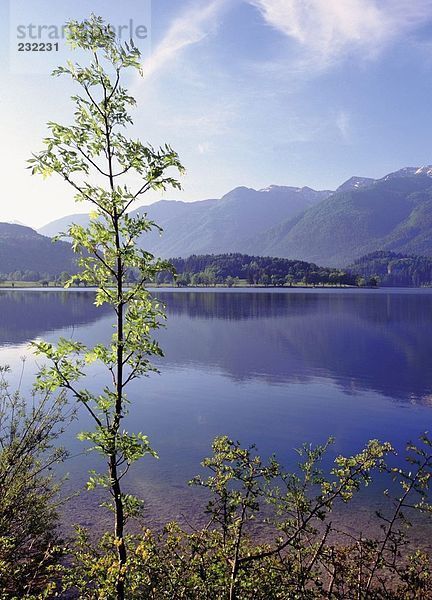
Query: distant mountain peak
(291, 188)
(239, 191)
(278, 188)
(426, 170)
(269, 188)
(355, 183)
(410, 172)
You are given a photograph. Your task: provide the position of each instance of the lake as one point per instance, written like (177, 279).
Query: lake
(272, 367)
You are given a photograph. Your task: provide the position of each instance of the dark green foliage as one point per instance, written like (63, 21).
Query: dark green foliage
(227, 269)
(392, 269)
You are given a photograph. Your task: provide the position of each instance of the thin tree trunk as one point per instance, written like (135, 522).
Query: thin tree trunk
(115, 481)
(118, 500)
(118, 526)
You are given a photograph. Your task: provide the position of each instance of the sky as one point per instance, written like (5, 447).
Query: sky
(248, 92)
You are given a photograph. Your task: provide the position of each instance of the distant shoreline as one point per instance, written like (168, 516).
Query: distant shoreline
(23, 285)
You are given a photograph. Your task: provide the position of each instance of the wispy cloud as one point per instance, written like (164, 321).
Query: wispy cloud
(343, 125)
(327, 31)
(192, 26)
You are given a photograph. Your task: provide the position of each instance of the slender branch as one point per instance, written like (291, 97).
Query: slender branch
(81, 191)
(115, 85)
(95, 104)
(325, 502)
(67, 385)
(399, 506)
(103, 261)
(87, 157)
(123, 172)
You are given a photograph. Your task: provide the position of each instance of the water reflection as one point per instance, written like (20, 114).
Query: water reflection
(275, 369)
(26, 314)
(378, 340)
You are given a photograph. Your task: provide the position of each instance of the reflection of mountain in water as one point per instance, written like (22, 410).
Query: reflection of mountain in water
(379, 341)
(26, 315)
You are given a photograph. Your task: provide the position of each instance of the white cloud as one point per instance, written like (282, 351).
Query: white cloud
(330, 30)
(191, 27)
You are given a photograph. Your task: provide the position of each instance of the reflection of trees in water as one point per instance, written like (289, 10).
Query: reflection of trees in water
(235, 305)
(375, 306)
(27, 314)
(379, 342)
(363, 341)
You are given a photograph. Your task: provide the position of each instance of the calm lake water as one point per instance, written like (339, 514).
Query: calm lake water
(274, 368)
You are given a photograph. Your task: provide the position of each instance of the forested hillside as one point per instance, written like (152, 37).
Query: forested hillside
(394, 269)
(393, 214)
(27, 255)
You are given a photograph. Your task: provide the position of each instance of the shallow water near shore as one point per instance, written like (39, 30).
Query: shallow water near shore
(274, 368)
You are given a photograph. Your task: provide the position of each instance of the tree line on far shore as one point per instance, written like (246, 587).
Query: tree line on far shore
(235, 269)
(224, 269)
(232, 269)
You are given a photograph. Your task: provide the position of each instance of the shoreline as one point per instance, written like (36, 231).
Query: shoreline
(35, 286)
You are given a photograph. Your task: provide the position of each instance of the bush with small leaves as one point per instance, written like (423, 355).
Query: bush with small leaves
(29, 539)
(303, 553)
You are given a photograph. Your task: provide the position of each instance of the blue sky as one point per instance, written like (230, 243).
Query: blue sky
(249, 92)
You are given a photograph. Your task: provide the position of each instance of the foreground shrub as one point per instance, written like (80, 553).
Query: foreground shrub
(29, 538)
(304, 555)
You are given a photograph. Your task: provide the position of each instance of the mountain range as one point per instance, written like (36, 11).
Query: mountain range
(393, 213)
(214, 226)
(330, 228)
(327, 227)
